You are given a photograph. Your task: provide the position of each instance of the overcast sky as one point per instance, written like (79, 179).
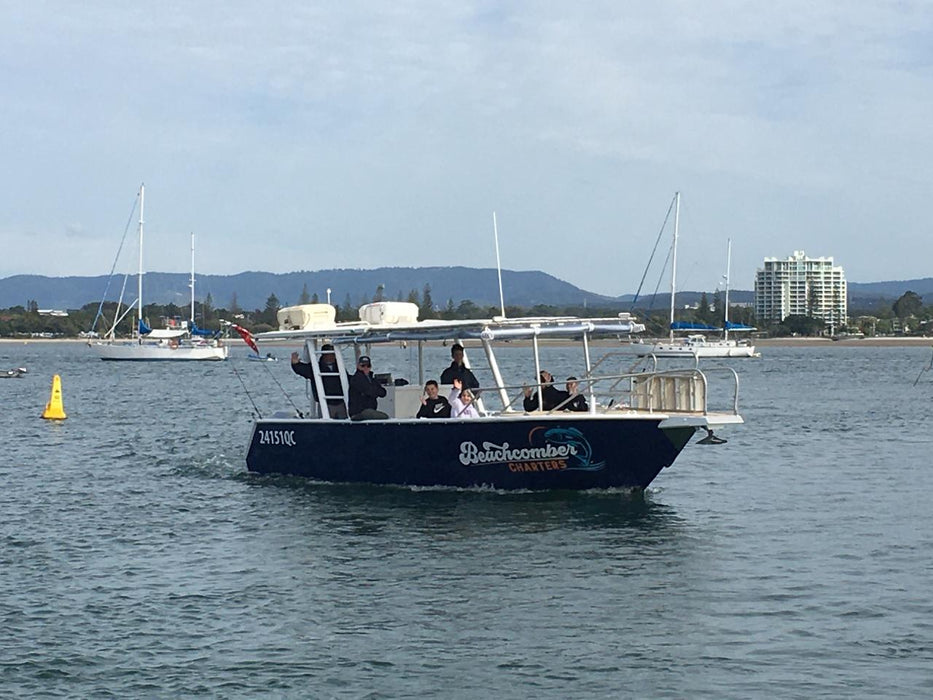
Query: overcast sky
(305, 135)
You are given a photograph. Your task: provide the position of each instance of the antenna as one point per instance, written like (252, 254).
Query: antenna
(495, 229)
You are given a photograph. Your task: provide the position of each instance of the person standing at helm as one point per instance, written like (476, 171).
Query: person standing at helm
(458, 370)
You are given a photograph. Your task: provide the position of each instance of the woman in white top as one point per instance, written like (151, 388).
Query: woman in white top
(461, 402)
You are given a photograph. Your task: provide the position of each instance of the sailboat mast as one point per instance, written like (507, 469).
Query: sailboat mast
(725, 322)
(139, 282)
(674, 259)
(192, 280)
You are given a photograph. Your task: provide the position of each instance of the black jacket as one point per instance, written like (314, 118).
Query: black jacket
(551, 396)
(577, 403)
(435, 408)
(332, 388)
(461, 372)
(364, 390)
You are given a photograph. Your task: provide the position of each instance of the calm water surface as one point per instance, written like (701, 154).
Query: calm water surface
(137, 557)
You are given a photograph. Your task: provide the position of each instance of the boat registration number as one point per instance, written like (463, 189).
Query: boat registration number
(277, 437)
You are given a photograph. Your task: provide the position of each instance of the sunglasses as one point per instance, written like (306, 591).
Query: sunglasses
(365, 364)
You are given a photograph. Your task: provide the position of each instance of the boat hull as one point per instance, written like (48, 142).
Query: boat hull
(707, 350)
(127, 352)
(522, 452)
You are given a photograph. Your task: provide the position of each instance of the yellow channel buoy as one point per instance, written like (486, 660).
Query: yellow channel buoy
(54, 410)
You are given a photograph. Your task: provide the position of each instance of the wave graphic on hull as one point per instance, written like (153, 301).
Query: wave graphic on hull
(582, 453)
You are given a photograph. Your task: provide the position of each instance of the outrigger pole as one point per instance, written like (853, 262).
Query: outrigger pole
(495, 230)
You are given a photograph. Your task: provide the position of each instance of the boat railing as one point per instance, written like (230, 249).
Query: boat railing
(667, 391)
(639, 365)
(731, 378)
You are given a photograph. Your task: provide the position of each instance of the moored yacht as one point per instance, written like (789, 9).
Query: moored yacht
(181, 341)
(700, 344)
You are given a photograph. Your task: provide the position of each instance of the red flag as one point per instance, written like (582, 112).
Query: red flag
(246, 336)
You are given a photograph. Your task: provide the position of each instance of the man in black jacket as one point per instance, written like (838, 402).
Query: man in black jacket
(576, 402)
(432, 405)
(365, 391)
(551, 396)
(458, 370)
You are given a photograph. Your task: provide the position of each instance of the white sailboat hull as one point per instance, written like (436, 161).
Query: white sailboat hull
(700, 348)
(149, 352)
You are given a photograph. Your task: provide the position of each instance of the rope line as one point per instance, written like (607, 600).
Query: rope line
(924, 369)
(246, 391)
(285, 393)
(100, 307)
(653, 251)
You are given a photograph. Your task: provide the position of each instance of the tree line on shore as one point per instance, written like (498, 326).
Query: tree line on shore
(907, 315)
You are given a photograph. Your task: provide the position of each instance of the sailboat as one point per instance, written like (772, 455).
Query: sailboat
(699, 345)
(185, 342)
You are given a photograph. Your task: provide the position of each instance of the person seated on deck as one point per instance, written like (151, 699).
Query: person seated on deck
(432, 405)
(551, 397)
(461, 402)
(365, 392)
(329, 378)
(576, 402)
(458, 370)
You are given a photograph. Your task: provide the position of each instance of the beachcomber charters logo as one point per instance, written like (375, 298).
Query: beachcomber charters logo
(548, 449)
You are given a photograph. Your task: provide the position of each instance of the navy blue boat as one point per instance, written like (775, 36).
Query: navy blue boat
(635, 422)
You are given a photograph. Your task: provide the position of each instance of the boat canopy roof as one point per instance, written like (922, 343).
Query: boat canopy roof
(194, 330)
(497, 328)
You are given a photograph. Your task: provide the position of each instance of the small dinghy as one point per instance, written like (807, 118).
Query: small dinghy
(268, 357)
(10, 373)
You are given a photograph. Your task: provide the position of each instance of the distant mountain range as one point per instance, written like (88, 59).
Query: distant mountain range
(252, 289)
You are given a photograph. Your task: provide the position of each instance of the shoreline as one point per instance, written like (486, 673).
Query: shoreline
(908, 341)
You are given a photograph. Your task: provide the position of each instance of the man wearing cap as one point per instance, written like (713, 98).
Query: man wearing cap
(364, 392)
(458, 370)
(330, 378)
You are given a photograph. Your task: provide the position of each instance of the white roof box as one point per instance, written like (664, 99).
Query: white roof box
(307, 317)
(391, 313)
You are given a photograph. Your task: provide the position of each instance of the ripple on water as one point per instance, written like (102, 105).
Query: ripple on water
(138, 558)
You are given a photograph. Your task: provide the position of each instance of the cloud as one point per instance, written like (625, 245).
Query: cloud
(307, 135)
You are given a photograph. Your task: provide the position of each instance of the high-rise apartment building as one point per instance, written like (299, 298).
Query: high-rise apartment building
(801, 286)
